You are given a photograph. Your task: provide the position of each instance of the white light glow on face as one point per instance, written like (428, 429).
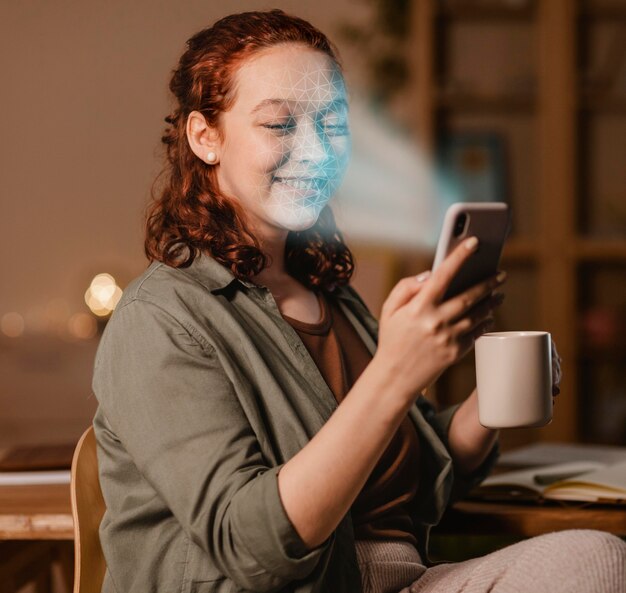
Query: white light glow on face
(298, 147)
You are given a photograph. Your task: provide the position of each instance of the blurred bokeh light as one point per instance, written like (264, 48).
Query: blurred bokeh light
(103, 295)
(12, 325)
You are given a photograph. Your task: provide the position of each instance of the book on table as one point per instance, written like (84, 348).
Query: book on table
(585, 479)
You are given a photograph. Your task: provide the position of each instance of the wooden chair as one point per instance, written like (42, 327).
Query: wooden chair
(87, 509)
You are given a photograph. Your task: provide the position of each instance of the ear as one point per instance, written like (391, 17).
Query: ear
(203, 139)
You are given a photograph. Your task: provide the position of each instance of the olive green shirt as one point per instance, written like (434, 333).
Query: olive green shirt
(204, 392)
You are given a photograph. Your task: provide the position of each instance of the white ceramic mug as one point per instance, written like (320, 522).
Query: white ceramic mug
(514, 379)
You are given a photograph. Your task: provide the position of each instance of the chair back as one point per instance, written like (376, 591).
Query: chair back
(87, 509)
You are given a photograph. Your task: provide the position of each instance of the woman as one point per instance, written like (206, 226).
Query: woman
(256, 430)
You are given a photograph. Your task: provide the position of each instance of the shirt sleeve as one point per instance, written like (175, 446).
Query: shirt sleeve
(440, 421)
(173, 408)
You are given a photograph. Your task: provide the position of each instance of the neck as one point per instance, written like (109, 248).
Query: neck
(275, 273)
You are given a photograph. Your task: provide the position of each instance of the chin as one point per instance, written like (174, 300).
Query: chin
(299, 225)
(292, 221)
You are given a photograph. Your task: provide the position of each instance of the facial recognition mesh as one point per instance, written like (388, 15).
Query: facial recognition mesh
(308, 121)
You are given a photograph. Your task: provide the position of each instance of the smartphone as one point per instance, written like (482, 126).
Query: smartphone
(490, 222)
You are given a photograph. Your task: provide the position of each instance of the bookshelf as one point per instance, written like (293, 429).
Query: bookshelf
(563, 263)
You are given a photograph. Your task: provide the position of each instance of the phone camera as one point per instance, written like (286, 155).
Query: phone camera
(460, 224)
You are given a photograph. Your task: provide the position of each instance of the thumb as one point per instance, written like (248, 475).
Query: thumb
(403, 292)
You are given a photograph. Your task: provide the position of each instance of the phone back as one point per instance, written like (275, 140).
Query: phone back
(489, 221)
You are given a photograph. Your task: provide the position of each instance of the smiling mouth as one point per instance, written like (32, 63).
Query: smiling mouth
(304, 183)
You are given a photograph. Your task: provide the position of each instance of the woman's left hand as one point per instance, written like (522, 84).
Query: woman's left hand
(556, 372)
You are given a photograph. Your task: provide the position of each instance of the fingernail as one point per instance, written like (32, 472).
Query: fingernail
(471, 243)
(423, 276)
(501, 276)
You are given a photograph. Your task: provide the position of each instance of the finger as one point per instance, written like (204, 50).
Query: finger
(477, 315)
(469, 325)
(480, 328)
(443, 275)
(403, 292)
(483, 309)
(556, 370)
(466, 342)
(457, 306)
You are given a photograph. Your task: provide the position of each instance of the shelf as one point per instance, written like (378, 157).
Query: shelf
(608, 105)
(554, 101)
(608, 12)
(520, 104)
(601, 249)
(516, 249)
(495, 12)
(475, 103)
(587, 356)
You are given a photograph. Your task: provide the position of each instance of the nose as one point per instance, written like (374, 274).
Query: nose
(309, 143)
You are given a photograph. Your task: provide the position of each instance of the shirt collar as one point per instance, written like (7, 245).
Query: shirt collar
(215, 277)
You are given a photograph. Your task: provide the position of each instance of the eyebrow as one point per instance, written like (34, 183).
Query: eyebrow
(266, 102)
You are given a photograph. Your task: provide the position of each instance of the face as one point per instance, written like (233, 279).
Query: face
(285, 141)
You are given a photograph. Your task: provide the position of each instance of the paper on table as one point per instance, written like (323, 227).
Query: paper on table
(527, 478)
(604, 483)
(28, 478)
(589, 481)
(552, 453)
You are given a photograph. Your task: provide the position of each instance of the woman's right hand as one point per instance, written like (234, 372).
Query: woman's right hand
(420, 335)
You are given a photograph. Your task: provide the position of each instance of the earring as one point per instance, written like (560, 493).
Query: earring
(211, 158)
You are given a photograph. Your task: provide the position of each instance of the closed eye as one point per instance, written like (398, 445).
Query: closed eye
(334, 123)
(281, 127)
(336, 129)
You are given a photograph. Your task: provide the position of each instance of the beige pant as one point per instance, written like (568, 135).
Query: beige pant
(570, 561)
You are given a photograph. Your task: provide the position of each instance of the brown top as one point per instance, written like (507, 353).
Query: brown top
(379, 510)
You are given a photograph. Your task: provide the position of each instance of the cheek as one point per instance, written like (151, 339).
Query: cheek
(272, 153)
(249, 162)
(340, 148)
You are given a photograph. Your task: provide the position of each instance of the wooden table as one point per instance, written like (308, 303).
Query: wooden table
(41, 512)
(528, 519)
(35, 513)
(44, 513)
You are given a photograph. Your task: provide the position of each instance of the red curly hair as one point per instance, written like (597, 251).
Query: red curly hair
(190, 215)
